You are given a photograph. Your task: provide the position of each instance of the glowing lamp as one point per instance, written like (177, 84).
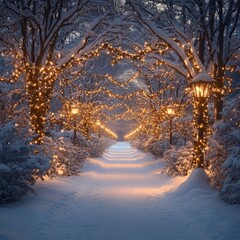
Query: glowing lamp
(170, 110)
(201, 86)
(74, 109)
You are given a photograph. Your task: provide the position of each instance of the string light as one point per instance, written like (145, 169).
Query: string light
(40, 80)
(133, 133)
(107, 130)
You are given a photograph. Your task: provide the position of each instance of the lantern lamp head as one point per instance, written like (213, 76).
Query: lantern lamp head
(74, 109)
(201, 86)
(170, 110)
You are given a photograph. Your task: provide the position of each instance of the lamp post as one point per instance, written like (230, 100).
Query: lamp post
(99, 130)
(170, 112)
(201, 88)
(74, 111)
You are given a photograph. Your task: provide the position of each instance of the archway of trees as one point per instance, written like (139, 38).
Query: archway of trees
(51, 40)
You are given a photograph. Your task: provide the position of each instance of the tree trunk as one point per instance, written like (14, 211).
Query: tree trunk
(39, 91)
(218, 101)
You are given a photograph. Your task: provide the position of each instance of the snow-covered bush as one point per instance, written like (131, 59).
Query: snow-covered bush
(67, 158)
(223, 152)
(149, 144)
(230, 190)
(178, 160)
(182, 133)
(20, 163)
(158, 147)
(97, 146)
(140, 142)
(217, 153)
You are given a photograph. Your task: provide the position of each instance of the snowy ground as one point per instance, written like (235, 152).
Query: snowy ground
(121, 196)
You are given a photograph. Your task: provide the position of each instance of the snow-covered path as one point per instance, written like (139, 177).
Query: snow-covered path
(121, 196)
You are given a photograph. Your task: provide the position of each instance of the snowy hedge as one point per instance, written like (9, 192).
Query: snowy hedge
(149, 144)
(158, 147)
(178, 160)
(224, 152)
(140, 143)
(217, 153)
(230, 190)
(20, 163)
(67, 158)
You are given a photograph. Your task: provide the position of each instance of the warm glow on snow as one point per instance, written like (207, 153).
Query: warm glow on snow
(115, 165)
(124, 172)
(110, 201)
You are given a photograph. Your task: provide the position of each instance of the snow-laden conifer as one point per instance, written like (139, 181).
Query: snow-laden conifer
(20, 163)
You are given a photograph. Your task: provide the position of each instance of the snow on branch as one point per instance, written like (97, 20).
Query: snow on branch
(83, 43)
(159, 33)
(172, 64)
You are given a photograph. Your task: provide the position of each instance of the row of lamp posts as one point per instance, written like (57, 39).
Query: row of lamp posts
(201, 89)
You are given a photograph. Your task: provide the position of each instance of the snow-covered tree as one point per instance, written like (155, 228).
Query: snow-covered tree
(20, 163)
(191, 37)
(179, 160)
(227, 135)
(222, 153)
(46, 37)
(230, 190)
(217, 153)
